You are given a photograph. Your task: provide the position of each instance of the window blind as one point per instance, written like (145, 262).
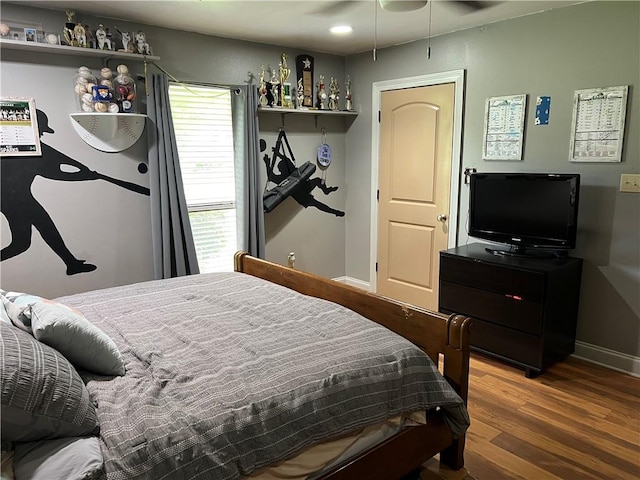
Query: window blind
(204, 137)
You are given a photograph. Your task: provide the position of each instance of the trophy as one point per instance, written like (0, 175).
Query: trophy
(285, 95)
(333, 94)
(262, 90)
(80, 35)
(285, 87)
(304, 66)
(347, 95)
(322, 95)
(300, 94)
(275, 82)
(68, 31)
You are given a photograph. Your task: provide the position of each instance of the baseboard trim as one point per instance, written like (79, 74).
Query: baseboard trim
(354, 282)
(608, 358)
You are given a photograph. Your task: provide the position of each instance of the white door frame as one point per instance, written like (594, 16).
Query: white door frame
(456, 77)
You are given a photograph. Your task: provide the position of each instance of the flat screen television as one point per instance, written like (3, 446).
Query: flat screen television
(529, 212)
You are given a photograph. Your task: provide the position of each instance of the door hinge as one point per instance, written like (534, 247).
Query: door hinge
(379, 116)
(378, 195)
(376, 267)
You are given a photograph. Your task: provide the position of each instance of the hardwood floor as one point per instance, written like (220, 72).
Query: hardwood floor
(576, 421)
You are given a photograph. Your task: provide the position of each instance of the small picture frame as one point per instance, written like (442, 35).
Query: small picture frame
(16, 35)
(30, 34)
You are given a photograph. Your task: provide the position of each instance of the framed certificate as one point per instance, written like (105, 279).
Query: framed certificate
(504, 127)
(597, 126)
(19, 133)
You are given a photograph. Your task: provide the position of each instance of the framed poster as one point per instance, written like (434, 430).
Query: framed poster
(504, 127)
(597, 126)
(19, 133)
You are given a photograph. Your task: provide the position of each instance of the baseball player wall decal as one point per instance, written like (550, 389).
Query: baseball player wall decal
(286, 166)
(23, 212)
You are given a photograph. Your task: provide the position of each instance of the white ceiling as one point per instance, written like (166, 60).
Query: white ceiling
(304, 24)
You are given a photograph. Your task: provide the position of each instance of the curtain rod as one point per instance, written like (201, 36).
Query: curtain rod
(237, 91)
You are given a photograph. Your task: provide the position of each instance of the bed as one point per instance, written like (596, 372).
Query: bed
(242, 374)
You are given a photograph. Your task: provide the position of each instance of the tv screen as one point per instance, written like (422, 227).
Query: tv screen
(525, 210)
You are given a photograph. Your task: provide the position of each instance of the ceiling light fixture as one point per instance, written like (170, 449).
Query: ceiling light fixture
(341, 29)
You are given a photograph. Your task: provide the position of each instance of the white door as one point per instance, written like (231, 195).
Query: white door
(414, 183)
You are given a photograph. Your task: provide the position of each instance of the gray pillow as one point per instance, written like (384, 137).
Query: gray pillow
(69, 332)
(4, 316)
(42, 394)
(17, 307)
(70, 458)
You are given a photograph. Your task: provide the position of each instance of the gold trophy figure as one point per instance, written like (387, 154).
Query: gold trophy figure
(285, 87)
(68, 31)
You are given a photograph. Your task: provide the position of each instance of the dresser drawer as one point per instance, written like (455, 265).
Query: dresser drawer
(515, 313)
(526, 284)
(517, 346)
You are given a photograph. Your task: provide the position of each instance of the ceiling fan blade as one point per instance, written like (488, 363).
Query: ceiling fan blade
(331, 9)
(473, 5)
(402, 5)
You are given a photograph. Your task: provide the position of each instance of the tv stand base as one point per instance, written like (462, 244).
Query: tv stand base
(522, 253)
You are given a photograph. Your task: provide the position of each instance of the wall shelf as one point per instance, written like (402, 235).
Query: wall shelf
(109, 132)
(303, 111)
(105, 55)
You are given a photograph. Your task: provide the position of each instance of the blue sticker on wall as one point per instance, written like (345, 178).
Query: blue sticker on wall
(543, 105)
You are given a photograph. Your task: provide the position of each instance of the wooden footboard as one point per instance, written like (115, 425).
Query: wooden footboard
(444, 339)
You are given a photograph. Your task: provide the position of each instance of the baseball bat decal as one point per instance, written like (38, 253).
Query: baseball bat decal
(124, 184)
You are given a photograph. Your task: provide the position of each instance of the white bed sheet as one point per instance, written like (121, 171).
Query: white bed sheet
(319, 459)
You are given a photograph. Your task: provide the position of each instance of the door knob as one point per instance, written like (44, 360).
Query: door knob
(442, 217)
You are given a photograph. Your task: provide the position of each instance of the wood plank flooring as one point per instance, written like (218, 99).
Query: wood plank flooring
(576, 421)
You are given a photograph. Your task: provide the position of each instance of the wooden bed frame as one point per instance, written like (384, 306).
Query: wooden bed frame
(444, 339)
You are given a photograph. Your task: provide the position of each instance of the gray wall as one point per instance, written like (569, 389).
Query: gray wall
(99, 222)
(554, 53)
(111, 229)
(318, 242)
(595, 44)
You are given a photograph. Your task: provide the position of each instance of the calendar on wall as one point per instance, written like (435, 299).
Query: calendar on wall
(504, 127)
(597, 126)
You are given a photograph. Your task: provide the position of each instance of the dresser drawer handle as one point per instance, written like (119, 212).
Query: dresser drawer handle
(515, 297)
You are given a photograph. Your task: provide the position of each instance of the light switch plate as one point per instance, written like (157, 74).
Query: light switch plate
(630, 182)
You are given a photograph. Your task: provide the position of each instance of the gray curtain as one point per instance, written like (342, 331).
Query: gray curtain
(174, 253)
(249, 187)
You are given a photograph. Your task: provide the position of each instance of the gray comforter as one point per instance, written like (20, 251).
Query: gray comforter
(227, 373)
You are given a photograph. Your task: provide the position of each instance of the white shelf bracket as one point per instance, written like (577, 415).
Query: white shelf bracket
(109, 132)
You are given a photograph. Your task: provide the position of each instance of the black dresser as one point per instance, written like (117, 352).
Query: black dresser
(525, 309)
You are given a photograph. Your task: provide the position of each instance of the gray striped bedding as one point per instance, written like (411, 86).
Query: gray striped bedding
(227, 373)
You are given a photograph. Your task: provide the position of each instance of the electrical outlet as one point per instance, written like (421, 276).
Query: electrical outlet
(630, 183)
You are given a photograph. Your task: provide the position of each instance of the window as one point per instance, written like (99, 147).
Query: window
(204, 136)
